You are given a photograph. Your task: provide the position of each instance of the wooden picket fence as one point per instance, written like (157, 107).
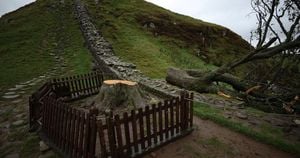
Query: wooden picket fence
(77, 87)
(82, 133)
(144, 130)
(35, 105)
(68, 130)
(70, 88)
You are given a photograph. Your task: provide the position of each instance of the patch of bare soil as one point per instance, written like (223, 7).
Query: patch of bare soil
(210, 140)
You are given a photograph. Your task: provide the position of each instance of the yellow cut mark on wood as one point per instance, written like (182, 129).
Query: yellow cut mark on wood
(223, 94)
(126, 82)
(253, 89)
(289, 107)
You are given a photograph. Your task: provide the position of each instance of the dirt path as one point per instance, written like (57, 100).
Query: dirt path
(210, 140)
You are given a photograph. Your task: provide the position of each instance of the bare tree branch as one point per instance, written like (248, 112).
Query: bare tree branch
(292, 29)
(276, 50)
(267, 22)
(250, 55)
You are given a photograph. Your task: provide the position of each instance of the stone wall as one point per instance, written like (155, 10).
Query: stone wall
(111, 65)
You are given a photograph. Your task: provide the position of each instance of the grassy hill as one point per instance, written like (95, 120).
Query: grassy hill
(31, 34)
(149, 36)
(154, 38)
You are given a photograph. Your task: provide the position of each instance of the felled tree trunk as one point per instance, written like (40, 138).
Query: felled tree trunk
(119, 94)
(202, 82)
(182, 79)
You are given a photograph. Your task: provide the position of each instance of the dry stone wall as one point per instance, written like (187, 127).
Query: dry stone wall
(111, 65)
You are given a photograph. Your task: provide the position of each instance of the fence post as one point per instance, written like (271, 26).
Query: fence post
(34, 112)
(87, 135)
(191, 109)
(102, 139)
(111, 135)
(32, 118)
(127, 134)
(177, 114)
(93, 132)
(119, 137)
(134, 130)
(184, 110)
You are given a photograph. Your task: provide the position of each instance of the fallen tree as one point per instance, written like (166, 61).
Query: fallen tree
(202, 82)
(253, 94)
(281, 44)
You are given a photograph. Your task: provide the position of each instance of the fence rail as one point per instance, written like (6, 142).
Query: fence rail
(83, 133)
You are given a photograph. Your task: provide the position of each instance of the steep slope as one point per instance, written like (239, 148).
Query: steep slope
(38, 38)
(37, 42)
(154, 38)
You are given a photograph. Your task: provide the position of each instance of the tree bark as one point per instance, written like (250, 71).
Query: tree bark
(119, 94)
(201, 81)
(182, 79)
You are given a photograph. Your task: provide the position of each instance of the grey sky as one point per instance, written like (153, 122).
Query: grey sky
(233, 14)
(11, 5)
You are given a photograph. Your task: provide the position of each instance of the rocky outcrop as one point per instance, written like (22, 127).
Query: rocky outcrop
(114, 67)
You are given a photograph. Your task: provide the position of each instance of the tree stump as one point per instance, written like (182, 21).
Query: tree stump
(119, 94)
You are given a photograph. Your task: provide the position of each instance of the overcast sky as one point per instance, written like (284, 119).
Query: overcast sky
(11, 5)
(233, 14)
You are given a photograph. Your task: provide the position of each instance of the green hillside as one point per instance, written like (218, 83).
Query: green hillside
(44, 39)
(154, 38)
(31, 34)
(149, 36)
